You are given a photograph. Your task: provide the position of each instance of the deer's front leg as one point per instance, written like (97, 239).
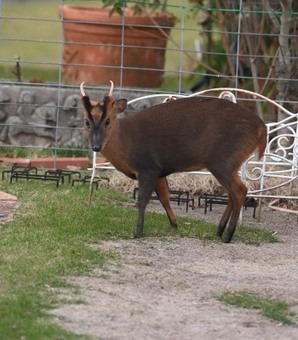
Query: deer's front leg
(146, 186)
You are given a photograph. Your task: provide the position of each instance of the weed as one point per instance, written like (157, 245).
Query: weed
(272, 309)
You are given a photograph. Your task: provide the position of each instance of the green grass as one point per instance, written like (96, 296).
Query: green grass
(38, 74)
(35, 41)
(50, 238)
(253, 236)
(75, 151)
(275, 310)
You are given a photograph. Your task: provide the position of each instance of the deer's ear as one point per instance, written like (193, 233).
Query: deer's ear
(120, 105)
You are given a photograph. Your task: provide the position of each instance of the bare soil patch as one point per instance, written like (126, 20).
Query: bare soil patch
(8, 203)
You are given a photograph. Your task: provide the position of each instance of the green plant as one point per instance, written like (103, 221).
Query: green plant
(138, 7)
(70, 151)
(272, 309)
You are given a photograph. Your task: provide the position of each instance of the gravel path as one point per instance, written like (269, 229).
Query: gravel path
(166, 289)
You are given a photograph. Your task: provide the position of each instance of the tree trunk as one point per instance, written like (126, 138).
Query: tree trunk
(286, 68)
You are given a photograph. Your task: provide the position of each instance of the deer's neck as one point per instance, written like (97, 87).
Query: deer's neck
(117, 150)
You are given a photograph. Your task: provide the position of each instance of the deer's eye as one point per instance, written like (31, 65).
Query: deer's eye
(107, 122)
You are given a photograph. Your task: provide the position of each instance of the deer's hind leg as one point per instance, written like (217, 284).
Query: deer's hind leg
(163, 193)
(225, 217)
(237, 192)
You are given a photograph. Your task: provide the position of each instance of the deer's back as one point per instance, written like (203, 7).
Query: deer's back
(196, 118)
(192, 132)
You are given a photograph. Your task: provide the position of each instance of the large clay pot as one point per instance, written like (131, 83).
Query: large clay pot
(129, 49)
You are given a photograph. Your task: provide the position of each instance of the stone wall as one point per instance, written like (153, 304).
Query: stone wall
(45, 116)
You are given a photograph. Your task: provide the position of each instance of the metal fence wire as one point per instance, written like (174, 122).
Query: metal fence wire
(48, 47)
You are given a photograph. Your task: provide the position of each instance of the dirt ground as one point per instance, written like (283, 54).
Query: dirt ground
(166, 288)
(8, 203)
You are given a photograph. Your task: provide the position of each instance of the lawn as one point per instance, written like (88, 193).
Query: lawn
(32, 32)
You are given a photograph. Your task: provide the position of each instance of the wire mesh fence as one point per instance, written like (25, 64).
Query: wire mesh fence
(49, 47)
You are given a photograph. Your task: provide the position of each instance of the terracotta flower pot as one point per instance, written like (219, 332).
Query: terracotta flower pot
(129, 50)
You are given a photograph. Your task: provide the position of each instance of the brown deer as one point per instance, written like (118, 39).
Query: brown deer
(182, 135)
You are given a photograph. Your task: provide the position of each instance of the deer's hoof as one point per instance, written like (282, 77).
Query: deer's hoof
(137, 235)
